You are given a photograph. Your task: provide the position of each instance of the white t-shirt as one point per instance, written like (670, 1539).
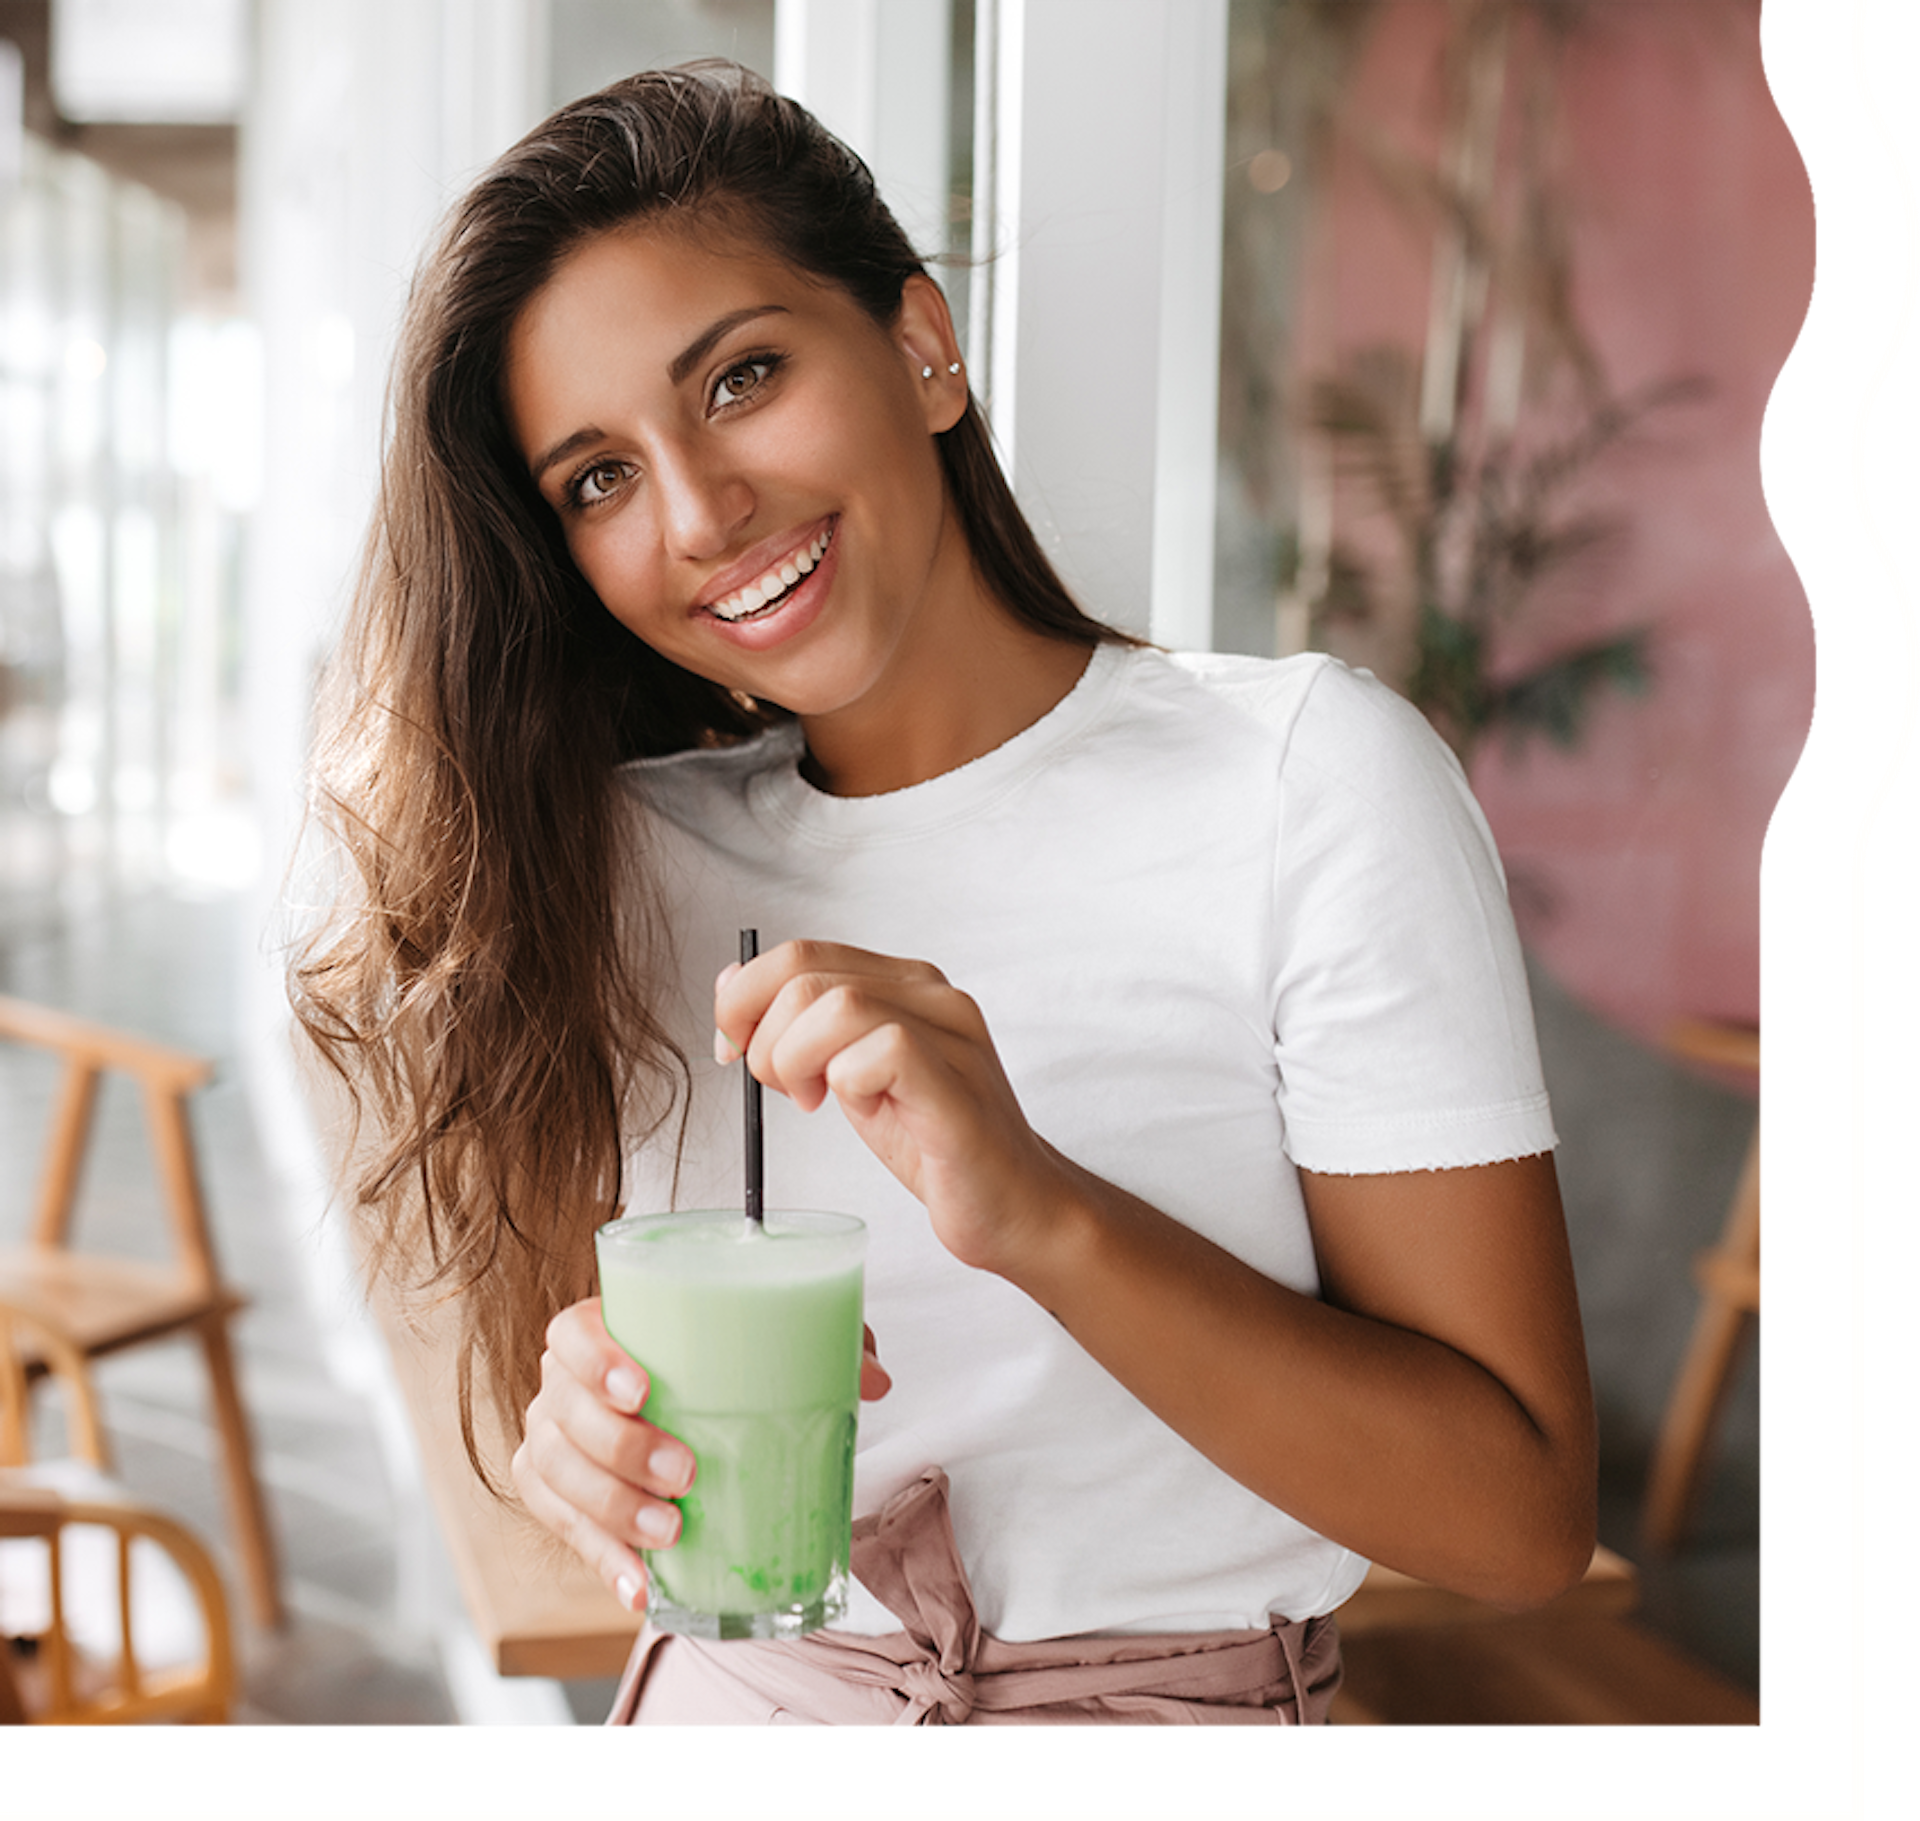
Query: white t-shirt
(1224, 917)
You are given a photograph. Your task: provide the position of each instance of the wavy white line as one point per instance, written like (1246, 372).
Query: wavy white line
(1901, 594)
(1863, 504)
(1861, 842)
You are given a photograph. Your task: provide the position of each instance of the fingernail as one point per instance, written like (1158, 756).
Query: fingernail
(627, 1589)
(723, 1051)
(671, 1467)
(657, 1525)
(725, 974)
(624, 1388)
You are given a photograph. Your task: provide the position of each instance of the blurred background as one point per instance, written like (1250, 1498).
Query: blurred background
(1459, 317)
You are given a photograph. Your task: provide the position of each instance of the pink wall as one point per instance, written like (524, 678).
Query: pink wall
(1635, 858)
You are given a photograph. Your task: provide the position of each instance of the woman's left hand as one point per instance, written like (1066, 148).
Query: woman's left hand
(1431, 1411)
(909, 1058)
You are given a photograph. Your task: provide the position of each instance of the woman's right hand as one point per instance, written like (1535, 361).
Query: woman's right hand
(592, 1469)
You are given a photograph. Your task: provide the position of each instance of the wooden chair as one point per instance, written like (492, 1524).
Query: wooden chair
(101, 1304)
(110, 1611)
(1729, 1279)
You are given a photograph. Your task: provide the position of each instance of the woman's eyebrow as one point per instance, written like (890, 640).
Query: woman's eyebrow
(561, 450)
(702, 344)
(678, 368)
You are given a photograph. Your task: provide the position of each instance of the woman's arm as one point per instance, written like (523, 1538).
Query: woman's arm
(1432, 1412)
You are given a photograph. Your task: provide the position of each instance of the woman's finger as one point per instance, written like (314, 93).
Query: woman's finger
(577, 1338)
(875, 1379)
(590, 1469)
(811, 1024)
(744, 996)
(571, 1416)
(616, 1563)
(581, 1354)
(602, 1517)
(911, 1061)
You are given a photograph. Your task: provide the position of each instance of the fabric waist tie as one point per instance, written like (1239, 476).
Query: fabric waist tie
(944, 1670)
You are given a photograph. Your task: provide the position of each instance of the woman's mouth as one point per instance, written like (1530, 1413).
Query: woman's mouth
(765, 593)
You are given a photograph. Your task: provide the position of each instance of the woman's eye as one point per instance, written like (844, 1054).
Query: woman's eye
(740, 381)
(591, 485)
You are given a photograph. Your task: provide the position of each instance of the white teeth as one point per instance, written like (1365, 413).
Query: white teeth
(760, 594)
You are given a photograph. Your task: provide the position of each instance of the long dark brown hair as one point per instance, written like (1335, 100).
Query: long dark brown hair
(484, 981)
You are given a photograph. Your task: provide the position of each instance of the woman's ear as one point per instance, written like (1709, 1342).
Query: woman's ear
(924, 332)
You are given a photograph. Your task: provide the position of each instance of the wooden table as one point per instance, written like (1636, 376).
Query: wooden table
(535, 1607)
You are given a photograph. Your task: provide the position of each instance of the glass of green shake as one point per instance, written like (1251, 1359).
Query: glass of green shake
(750, 1335)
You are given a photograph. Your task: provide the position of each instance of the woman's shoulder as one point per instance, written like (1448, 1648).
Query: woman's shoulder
(1335, 735)
(679, 784)
(1310, 702)
(1270, 690)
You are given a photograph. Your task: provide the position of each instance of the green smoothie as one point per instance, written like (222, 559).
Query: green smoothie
(751, 1339)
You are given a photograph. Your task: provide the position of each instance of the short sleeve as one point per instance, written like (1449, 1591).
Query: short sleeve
(1403, 1028)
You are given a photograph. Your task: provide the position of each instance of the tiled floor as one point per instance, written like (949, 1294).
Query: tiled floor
(362, 1645)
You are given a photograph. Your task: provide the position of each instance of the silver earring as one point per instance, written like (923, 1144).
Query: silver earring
(953, 366)
(926, 372)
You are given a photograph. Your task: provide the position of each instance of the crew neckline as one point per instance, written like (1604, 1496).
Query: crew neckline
(950, 796)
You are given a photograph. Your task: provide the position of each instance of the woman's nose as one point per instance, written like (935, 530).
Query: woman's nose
(703, 503)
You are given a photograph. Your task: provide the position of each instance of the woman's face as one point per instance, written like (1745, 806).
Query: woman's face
(742, 460)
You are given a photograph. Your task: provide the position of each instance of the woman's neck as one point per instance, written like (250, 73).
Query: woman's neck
(987, 677)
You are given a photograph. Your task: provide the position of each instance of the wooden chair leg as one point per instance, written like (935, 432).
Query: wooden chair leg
(64, 1362)
(1673, 1487)
(252, 1532)
(171, 1134)
(13, 1711)
(1729, 1278)
(66, 1151)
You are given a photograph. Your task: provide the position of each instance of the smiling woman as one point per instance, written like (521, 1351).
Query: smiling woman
(698, 415)
(1204, 1154)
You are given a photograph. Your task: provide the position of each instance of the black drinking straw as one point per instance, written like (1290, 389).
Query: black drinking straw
(756, 1149)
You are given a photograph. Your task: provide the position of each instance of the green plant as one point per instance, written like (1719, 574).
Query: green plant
(1441, 505)
(1476, 533)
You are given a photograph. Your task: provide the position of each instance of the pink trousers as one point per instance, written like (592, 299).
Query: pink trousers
(943, 1670)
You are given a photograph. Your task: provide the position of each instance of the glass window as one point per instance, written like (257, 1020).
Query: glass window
(96, 609)
(595, 42)
(1273, 131)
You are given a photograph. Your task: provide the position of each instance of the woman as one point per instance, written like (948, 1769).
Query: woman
(1215, 1242)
